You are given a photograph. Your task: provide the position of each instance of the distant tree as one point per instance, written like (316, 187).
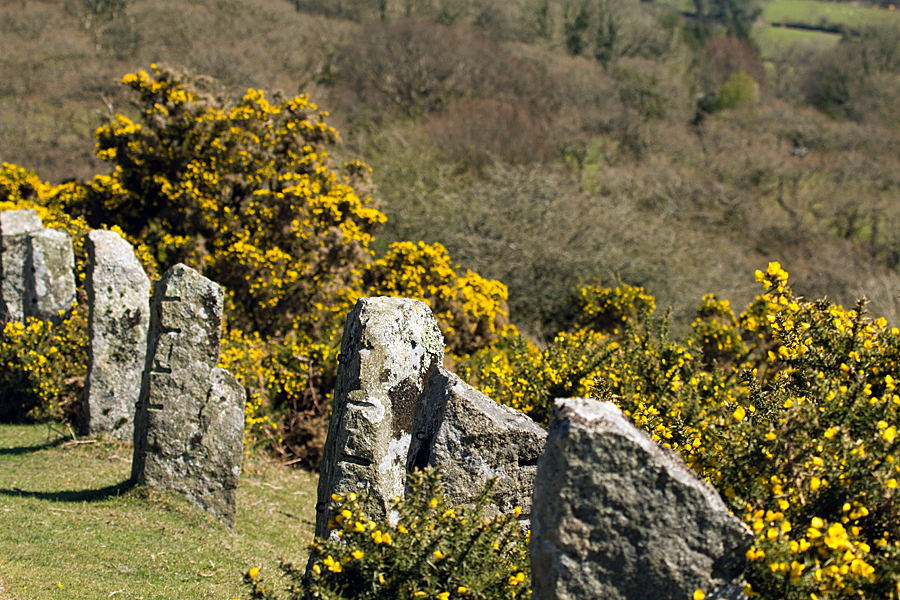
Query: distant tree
(543, 21)
(736, 16)
(607, 33)
(577, 21)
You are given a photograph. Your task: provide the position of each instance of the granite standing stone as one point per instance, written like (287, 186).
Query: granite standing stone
(472, 438)
(49, 275)
(616, 516)
(388, 349)
(15, 225)
(118, 292)
(189, 424)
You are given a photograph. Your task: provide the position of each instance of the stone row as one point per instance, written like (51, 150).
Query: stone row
(613, 514)
(152, 376)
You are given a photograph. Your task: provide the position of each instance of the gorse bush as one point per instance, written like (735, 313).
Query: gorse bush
(243, 192)
(429, 549)
(790, 410)
(42, 369)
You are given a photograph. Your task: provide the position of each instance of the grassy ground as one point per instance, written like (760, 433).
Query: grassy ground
(71, 527)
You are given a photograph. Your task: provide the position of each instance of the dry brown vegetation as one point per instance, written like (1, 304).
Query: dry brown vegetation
(531, 165)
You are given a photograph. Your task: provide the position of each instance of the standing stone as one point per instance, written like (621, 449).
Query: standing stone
(189, 425)
(388, 349)
(472, 438)
(118, 294)
(49, 275)
(15, 225)
(616, 516)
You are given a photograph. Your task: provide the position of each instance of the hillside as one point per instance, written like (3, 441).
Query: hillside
(531, 165)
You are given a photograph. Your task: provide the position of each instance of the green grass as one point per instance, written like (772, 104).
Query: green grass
(814, 13)
(72, 527)
(772, 40)
(681, 5)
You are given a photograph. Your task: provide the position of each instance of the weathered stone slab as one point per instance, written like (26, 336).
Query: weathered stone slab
(118, 293)
(15, 225)
(49, 275)
(616, 516)
(189, 423)
(472, 438)
(388, 349)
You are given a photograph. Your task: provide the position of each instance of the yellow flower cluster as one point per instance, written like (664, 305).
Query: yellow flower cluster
(470, 309)
(42, 368)
(791, 410)
(605, 309)
(427, 549)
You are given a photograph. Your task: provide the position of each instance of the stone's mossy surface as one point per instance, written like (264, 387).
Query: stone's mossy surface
(616, 516)
(472, 438)
(190, 417)
(389, 347)
(118, 293)
(49, 275)
(15, 225)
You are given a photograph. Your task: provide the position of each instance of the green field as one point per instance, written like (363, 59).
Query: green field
(773, 40)
(71, 527)
(824, 14)
(811, 13)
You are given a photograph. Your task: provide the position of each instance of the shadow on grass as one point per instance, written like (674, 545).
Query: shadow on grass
(109, 491)
(35, 448)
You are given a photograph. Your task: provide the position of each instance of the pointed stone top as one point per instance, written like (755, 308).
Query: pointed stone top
(606, 418)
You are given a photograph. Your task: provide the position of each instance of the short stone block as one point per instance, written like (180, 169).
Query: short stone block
(15, 225)
(472, 439)
(618, 517)
(49, 275)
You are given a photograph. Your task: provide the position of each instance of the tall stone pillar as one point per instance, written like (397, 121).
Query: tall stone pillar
(389, 347)
(118, 292)
(189, 425)
(15, 225)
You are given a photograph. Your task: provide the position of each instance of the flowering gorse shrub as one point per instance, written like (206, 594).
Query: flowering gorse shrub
(428, 549)
(42, 369)
(470, 309)
(790, 410)
(242, 191)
